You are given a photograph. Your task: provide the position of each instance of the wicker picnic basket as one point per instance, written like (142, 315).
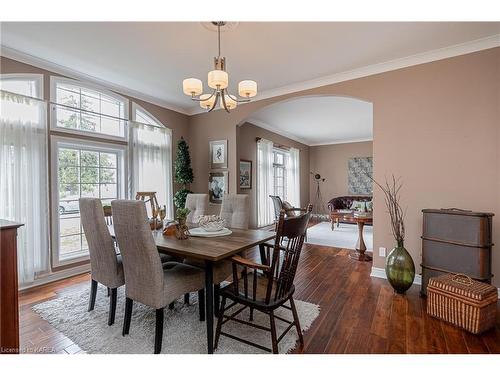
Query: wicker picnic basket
(461, 301)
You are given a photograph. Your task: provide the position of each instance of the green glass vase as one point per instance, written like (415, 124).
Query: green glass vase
(400, 269)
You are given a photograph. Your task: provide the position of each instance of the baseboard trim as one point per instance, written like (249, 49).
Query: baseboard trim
(380, 273)
(56, 276)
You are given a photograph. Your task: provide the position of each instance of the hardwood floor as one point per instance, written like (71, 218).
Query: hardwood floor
(359, 314)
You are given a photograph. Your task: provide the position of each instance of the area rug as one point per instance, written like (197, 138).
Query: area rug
(343, 237)
(183, 332)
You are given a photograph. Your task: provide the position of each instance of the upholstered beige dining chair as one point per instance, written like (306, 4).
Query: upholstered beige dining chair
(146, 281)
(198, 205)
(105, 265)
(235, 210)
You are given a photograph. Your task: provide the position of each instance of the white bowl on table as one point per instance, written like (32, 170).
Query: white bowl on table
(211, 223)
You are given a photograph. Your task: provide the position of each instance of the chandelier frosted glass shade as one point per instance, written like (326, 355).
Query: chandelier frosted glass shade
(192, 86)
(218, 79)
(247, 88)
(207, 101)
(230, 102)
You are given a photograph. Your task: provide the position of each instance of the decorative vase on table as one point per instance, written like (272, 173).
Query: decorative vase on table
(400, 269)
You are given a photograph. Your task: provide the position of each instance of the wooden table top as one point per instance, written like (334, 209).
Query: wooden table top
(349, 216)
(210, 248)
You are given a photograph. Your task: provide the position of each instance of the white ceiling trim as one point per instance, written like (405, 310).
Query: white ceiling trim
(26, 58)
(421, 58)
(283, 133)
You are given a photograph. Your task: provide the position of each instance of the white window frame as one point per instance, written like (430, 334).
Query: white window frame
(136, 107)
(54, 80)
(37, 78)
(281, 166)
(122, 185)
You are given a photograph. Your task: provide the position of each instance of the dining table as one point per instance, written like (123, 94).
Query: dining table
(211, 250)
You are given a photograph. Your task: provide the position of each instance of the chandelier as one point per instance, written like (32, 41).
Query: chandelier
(218, 80)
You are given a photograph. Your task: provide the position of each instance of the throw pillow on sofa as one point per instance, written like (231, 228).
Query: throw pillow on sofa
(358, 205)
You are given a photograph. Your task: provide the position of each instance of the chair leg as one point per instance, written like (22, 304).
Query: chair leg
(128, 316)
(112, 306)
(158, 330)
(273, 333)
(93, 292)
(216, 299)
(296, 321)
(201, 304)
(251, 314)
(220, 318)
(186, 299)
(109, 291)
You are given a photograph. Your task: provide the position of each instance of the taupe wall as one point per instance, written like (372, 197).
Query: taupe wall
(175, 121)
(330, 161)
(247, 149)
(436, 125)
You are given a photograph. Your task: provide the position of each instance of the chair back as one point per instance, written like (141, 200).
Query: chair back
(103, 260)
(235, 210)
(144, 280)
(198, 205)
(290, 235)
(278, 206)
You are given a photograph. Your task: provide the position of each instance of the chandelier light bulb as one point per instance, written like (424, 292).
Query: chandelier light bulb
(230, 102)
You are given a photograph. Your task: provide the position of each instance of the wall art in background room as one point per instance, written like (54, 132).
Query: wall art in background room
(360, 173)
(245, 174)
(218, 154)
(217, 186)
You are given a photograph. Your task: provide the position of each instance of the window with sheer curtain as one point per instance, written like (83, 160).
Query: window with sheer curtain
(151, 157)
(24, 171)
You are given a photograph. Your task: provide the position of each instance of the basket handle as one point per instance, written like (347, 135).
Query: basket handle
(461, 278)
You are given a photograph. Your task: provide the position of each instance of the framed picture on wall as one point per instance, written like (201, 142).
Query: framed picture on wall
(245, 174)
(218, 154)
(217, 186)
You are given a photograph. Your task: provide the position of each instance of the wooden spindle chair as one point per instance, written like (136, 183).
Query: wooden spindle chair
(271, 283)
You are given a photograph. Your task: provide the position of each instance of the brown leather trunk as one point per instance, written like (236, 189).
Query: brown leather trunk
(456, 241)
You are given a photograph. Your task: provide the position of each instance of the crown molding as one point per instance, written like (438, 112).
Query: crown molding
(417, 59)
(264, 125)
(404, 62)
(38, 62)
(351, 140)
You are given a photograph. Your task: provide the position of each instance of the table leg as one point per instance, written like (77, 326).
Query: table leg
(360, 253)
(262, 251)
(209, 305)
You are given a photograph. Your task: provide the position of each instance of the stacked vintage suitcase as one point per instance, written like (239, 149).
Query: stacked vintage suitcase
(456, 268)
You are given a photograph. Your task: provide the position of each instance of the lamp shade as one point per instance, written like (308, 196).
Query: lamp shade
(230, 102)
(247, 88)
(192, 86)
(206, 101)
(218, 79)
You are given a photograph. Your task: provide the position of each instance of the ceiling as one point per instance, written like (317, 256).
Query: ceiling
(152, 58)
(318, 120)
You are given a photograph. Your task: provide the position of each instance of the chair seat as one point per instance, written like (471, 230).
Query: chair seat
(261, 290)
(180, 279)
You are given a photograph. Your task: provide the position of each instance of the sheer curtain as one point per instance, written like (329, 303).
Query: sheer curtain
(293, 177)
(151, 162)
(23, 180)
(264, 182)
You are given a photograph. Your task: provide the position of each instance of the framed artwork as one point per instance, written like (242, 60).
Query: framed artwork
(217, 186)
(359, 172)
(218, 154)
(245, 174)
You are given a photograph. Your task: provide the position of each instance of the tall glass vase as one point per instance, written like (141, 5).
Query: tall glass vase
(400, 269)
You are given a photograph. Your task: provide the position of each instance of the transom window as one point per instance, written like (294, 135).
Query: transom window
(81, 108)
(22, 84)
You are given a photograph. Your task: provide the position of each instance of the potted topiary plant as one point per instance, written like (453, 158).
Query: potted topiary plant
(181, 228)
(183, 173)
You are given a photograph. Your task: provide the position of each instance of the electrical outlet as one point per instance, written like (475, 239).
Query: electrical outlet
(381, 251)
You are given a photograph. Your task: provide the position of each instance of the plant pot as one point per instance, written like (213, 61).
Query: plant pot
(181, 229)
(400, 269)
